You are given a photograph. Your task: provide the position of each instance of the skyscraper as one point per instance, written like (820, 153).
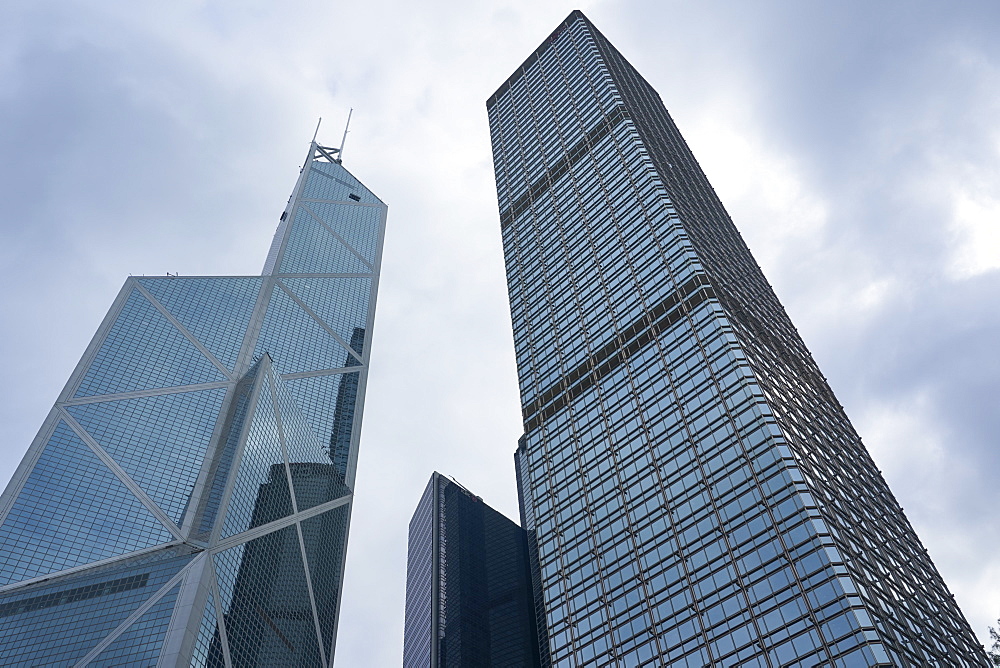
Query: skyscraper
(693, 491)
(187, 500)
(468, 587)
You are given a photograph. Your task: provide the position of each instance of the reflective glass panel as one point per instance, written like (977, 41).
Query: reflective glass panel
(268, 615)
(342, 303)
(330, 181)
(72, 510)
(57, 622)
(215, 310)
(296, 342)
(260, 493)
(355, 224)
(328, 403)
(160, 441)
(315, 479)
(313, 249)
(144, 351)
(325, 538)
(208, 646)
(140, 643)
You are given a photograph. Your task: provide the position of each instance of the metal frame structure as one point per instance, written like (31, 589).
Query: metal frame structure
(255, 371)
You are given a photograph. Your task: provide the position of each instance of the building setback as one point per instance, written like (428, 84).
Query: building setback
(468, 585)
(693, 491)
(187, 500)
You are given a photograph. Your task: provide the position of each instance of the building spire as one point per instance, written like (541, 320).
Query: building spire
(317, 129)
(340, 153)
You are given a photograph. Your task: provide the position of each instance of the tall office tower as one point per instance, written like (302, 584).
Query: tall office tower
(468, 586)
(694, 493)
(187, 500)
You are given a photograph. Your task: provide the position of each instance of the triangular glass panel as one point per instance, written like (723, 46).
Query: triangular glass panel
(357, 225)
(207, 652)
(312, 249)
(143, 351)
(57, 622)
(325, 538)
(159, 441)
(260, 493)
(215, 310)
(266, 606)
(140, 643)
(296, 342)
(315, 479)
(328, 403)
(239, 407)
(342, 303)
(72, 510)
(328, 180)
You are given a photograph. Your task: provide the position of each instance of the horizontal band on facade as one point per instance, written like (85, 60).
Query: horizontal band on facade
(601, 129)
(84, 593)
(616, 352)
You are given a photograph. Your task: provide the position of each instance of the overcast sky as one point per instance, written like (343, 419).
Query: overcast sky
(855, 144)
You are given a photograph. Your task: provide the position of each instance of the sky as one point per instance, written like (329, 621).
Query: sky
(855, 144)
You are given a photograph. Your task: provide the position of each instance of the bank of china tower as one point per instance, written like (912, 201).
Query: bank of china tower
(187, 500)
(694, 493)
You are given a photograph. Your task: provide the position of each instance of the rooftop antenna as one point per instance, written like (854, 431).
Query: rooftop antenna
(340, 153)
(317, 128)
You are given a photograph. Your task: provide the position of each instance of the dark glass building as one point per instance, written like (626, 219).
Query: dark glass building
(187, 501)
(468, 590)
(693, 491)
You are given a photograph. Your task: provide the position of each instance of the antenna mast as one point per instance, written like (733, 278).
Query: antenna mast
(317, 128)
(340, 153)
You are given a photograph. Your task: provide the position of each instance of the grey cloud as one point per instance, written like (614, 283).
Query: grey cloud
(138, 139)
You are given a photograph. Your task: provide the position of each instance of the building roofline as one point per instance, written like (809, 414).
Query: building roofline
(519, 72)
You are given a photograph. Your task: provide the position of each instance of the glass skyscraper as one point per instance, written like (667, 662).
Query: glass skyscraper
(469, 598)
(693, 491)
(187, 500)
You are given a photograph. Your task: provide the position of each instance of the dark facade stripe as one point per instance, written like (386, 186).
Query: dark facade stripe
(74, 595)
(616, 352)
(602, 129)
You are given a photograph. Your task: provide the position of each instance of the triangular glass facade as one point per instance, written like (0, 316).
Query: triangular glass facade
(216, 311)
(162, 454)
(296, 341)
(72, 510)
(202, 431)
(142, 351)
(266, 605)
(313, 248)
(140, 643)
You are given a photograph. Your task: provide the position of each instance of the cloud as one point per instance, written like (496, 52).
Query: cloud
(855, 145)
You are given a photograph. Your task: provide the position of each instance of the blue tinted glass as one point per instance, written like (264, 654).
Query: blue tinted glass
(139, 644)
(296, 342)
(327, 180)
(357, 225)
(260, 493)
(208, 646)
(342, 303)
(144, 351)
(315, 479)
(235, 420)
(328, 404)
(160, 441)
(55, 623)
(215, 310)
(266, 607)
(325, 538)
(72, 510)
(313, 249)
